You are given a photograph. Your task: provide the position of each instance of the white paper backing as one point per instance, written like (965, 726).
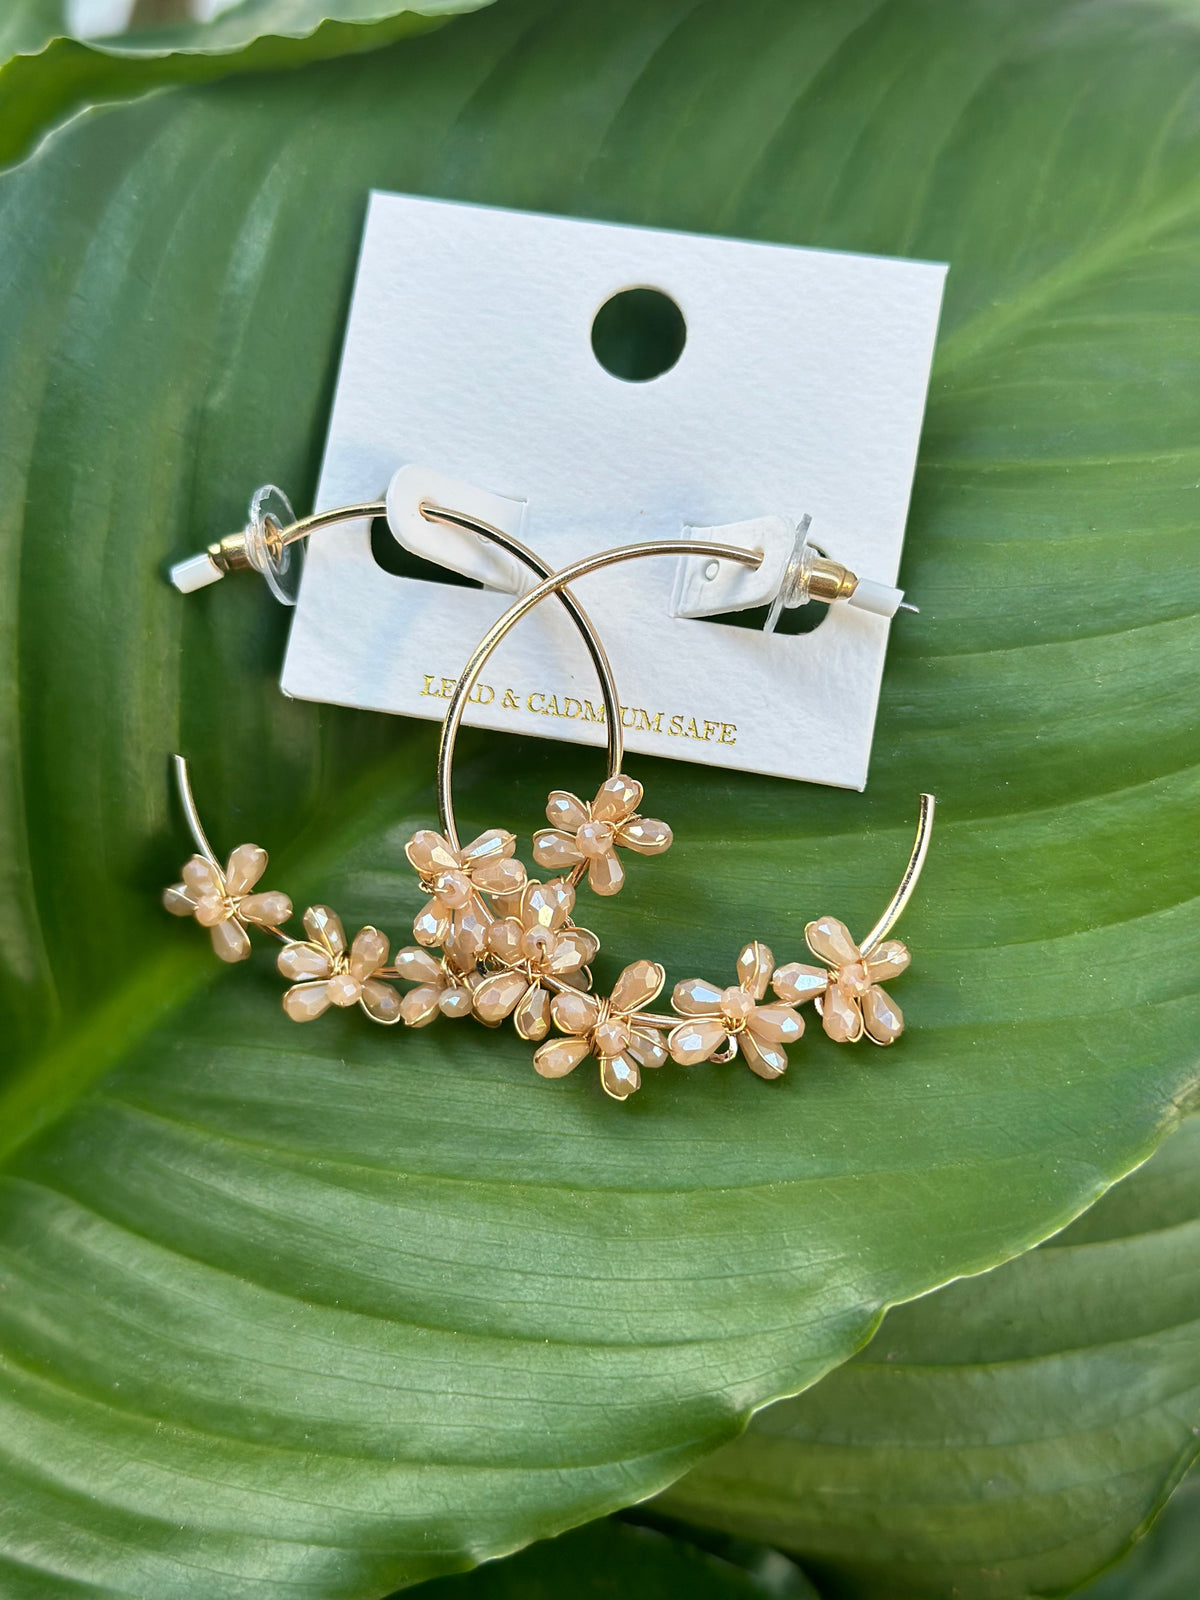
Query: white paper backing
(800, 389)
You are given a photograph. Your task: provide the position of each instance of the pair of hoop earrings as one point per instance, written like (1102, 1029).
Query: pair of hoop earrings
(494, 943)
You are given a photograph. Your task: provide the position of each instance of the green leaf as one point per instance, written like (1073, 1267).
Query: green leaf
(327, 1310)
(26, 25)
(1006, 1436)
(51, 76)
(1163, 1566)
(612, 1561)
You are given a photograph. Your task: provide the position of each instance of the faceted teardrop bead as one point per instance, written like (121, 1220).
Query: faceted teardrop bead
(493, 843)
(432, 924)
(557, 1057)
(419, 1006)
(565, 810)
(508, 905)
(776, 1025)
(640, 983)
(537, 945)
(737, 1005)
(547, 904)
(840, 1017)
(647, 1049)
(497, 995)
(306, 1001)
(246, 866)
(646, 836)
(532, 1016)
(266, 910)
(324, 926)
(696, 1040)
(210, 910)
(452, 888)
(888, 960)
(575, 1012)
(201, 878)
(573, 948)
(767, 1060)
(852, 979)
(465, 942)
(301, 961)
(611, 1037)
(343, 990)
(830, 940)
(754, 967)
(502, 876)
(695, 997)
(504, 939)
(380, 1001)
(455, 1002)
(797, 983)
(429, 853)
(177, 900)
(616, 799)
(619, 1076)
(595, 839)
(368, 953)
(605, 874)
(418, 965)
(555, 850)
(230, 940)
(882, 1017)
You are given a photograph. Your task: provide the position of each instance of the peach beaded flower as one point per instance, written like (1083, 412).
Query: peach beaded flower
(327, 974)
(848, 998)
(222, 902)
(453, 879)
(608, 1030)
(719, 1021)
(592, 832)
(535, 944)
(445, 985)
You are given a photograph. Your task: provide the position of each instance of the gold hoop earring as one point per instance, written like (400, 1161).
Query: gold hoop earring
(493, 943)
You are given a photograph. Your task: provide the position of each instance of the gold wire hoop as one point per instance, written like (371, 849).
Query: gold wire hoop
(556, 583)
(551, 583)
(369, 510)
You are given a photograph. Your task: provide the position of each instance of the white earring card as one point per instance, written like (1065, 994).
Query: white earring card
(799, 390)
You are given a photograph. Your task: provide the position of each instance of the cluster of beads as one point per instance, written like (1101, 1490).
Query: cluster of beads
(494, 944)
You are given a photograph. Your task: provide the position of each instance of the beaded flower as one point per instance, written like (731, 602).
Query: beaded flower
(591, 833)
(608, 1029)
(445, 984)
(222, 902)
(325, 973)
(454, 879)
(493, 943)
(720, 1021)
(848, 998)
(536, 946)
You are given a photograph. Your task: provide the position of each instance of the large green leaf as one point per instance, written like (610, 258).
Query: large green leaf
(1166, 1563)
(26, 25)
(51, 75)
(1006, 1436)
(327, 1311)
(611, 1561)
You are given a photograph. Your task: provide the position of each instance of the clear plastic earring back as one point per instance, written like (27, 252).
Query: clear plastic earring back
(280, 564)
(260, 546)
